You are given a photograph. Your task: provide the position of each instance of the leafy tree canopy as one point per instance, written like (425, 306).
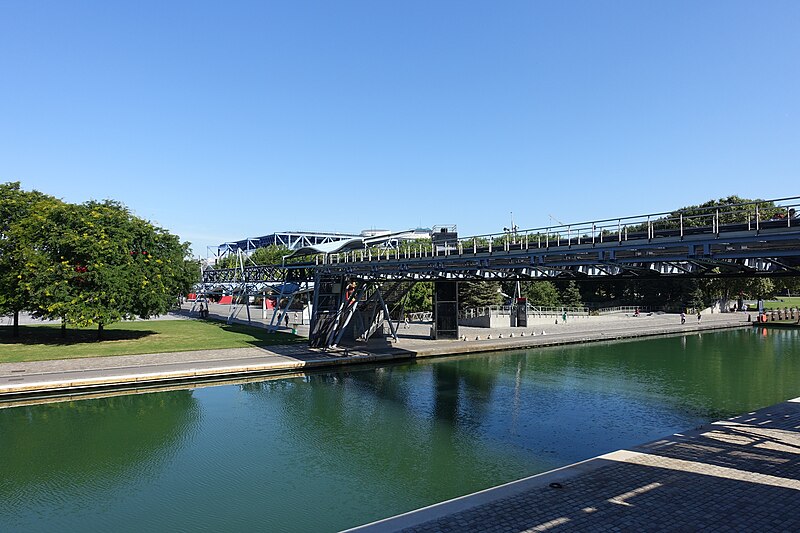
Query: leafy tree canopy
(541, 293)
(93, 263)
(267, 255)
(18, 245)
(571, 296)
(419, 297)
(479, 294)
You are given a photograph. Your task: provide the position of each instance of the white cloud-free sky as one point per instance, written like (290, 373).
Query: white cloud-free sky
(221, 121)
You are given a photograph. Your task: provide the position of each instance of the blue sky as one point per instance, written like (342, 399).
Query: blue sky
(221, 121)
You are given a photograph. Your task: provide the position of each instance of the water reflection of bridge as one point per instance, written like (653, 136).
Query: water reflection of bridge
(355, 286)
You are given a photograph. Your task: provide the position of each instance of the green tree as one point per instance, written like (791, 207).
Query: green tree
(700, 215)
(269, 255)
(18, 244)
(571, 295)
(161, 268)
(730, 212)
(692, 296)
(101, 264)
(419, 297)
(479, 294)
(731, 288)
(789, 286)
(541, 293)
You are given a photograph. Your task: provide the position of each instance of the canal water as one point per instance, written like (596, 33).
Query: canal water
(328, 451)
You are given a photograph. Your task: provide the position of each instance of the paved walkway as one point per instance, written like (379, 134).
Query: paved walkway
(596, 325)
(87, 374)
(742, 474)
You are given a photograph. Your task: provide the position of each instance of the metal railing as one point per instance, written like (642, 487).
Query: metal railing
(506, 310)
(750, 216)
(420, 316)
(624, 309)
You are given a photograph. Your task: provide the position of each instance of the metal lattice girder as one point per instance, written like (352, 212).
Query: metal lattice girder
(258, 274)
(289, 239)
(785, 266)
(773, 251)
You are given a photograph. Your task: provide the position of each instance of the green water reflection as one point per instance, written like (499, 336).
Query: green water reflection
(333, 450)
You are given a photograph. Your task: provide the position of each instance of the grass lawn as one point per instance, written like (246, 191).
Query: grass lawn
(39, 343)
(782, 301)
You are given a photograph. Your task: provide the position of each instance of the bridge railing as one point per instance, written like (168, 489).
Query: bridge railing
(623, 309)
(542, 312)
(681, 223)
(420, 316)
(709, 220)
(558, 311)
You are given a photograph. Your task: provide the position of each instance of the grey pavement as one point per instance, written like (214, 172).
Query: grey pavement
(70, 375)
(741, 474)
(609, 324)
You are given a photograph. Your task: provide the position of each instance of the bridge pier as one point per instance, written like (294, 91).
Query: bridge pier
(445, 310)
(327, 302)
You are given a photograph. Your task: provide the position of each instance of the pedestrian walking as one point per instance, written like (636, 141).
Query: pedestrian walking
(683, 318)
(698, 317)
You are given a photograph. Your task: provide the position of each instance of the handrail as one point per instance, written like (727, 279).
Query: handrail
(583, 233)
(616, 228)
(474, 312)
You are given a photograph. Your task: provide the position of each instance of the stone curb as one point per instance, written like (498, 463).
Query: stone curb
(340, 357)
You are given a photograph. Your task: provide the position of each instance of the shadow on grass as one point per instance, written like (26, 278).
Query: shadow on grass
(262, 337)
(51, 335)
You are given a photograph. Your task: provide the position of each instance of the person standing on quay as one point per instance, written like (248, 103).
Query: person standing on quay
(683, 318)
(698, 317)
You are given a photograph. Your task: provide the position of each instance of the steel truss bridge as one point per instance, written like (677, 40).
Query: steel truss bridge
(289, 239)
(744, 240)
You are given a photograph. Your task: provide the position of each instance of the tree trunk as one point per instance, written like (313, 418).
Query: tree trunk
(99, 332)
(63, 328)
(15, 329)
